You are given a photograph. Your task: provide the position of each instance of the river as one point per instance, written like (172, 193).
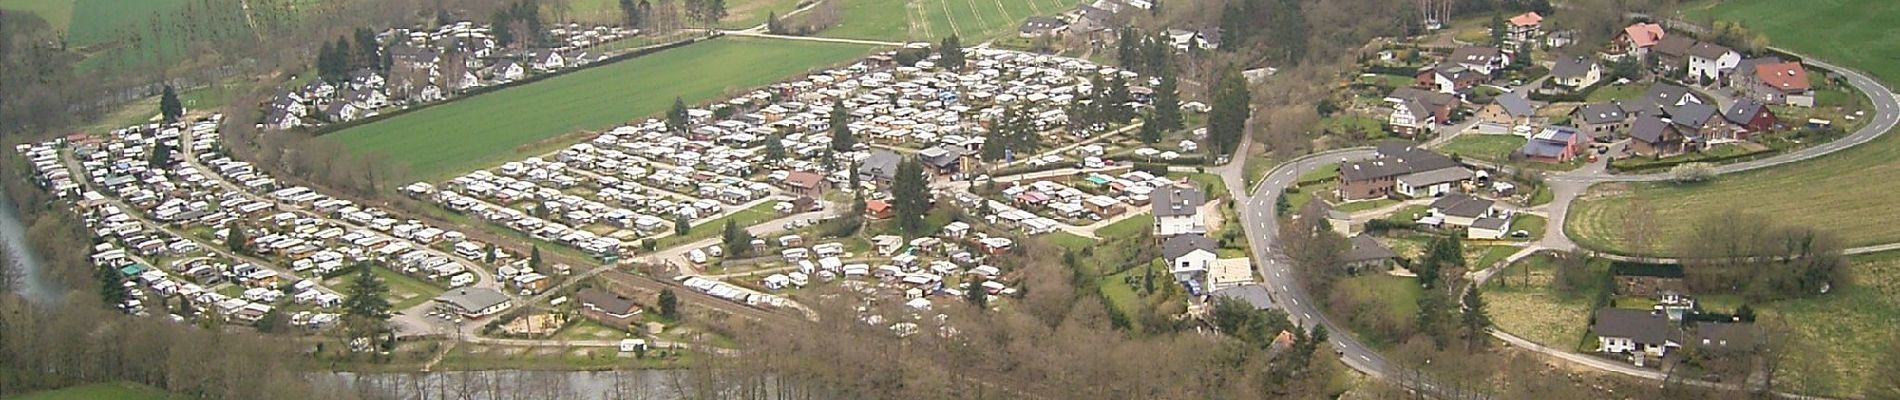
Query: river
(33, 283)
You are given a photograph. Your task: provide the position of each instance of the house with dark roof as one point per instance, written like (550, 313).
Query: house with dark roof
(1449, 78)
(1605, 120)
(1555, 144)
(1416, 111)
(1727, 337)
(1672, 52)
(805, 183)
(1650, 136)
(1380, 177)
(1710, 61)
(1488, 228)
(608, 308)
(947, 160)
(473, 302)
(1701, 123)
(1368, 254)
(1576, 72)
(1189, 258)
(1749, 117)
(880, 168)
(1040, 26)
(1458, 209)
(1635, 332)
(1177, 211)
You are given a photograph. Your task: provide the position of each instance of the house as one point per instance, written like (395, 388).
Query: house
(1604, 120)
(473, 302)
(1662, 97)
(1416, 111)
(804, 183)
(1750, 117)
(1449, 78)
(1368, 254)
(1508, 110)
(1461, 210)
(1183, 39)
(1484, 60)
(1652, 137)
(1177, 212)
(1040, 26)
(1635, 40)
(1488, 228)
(1640, 333)
(1708, 61)
(608, 308)
(1773, 82)
(878, 209)
(1556, 144)
(1576, 72)
(947, 160)
(1095, 24)
(1525, 27)
(1701, 123)
(1189, 258)
(880, 168)
(548, 60)
(1431, 183)
(342, 111)
(507, 71)
(1672, 53)
(1379, 177)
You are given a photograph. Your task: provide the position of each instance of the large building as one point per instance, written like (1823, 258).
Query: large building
(1400, 169)
(474, 302)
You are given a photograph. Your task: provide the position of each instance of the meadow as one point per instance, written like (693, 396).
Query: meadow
(507, 124)
(1839, 193)
(973, 21)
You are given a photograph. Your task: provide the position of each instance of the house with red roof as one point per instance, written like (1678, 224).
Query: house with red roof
(1773, 81)
(1635, 40)
(1525, 27)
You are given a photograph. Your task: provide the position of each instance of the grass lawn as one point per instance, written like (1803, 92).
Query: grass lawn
(1408, 214)
(745, 218)
(1391, 298)
(740, 14)
(1068, 241)
(973, 21)
(1610, 92)
(1347, 122)
(57, 13)
(1523, 302)
(1853, 184)
(1205, 181)
(138, 34)
(1481, 257)
(1845, 330)
(1493, 148)
(1323, 174)
(111, 390)
(496, 126)
(1532, 223)
(404, 291)
(1127, 227)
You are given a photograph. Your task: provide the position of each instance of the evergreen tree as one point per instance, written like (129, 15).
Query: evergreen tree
(630, 14)
(488, 255)
(1431, 316)
(161, 156)
(1023, 137)
(235, 239)
(669, 304)
(910, 196)
(1497, 29)
(1115, 103)
(681, 225)
(365, 305)
(1234, 27)
(1167, 102)
(1232, 107)
(498, 28)
(973, 292)
(111, 285)
(345, 64)
(841, 138)
(534, 257)
(995, 144)
(772, 24)
(1287, 31)
(169, 106)
(1128, 49)
(676, 119)
(1150, 130)
(950, 53)
(1475, 318)
(775, 148)
(737, 240)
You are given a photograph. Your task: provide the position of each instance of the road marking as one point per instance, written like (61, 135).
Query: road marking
(1363, 357)
(1296, 301)
(1309, 316)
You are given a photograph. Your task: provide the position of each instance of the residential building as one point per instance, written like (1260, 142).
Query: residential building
(1672, 53)
(1651, 136)
(1772, 81)
(1040, 26)
(1508, 110)
(805, 183)
(1190, 258)
(880, 168)
(1576, 72)
(1639, 333)
(1368, 255)
(1416, 111)
(1449, 78)
(1606, 120)
(1750, 117)
(1461, 210)
(1526, 27)
(1709, 62)
(1177, 211)
(1380, 176)
(474, 302)
(608, 308)
(1636, 40)
(1484, 60)
(1555, 144)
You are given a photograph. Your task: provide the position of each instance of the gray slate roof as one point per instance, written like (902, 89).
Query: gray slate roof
(605, 301)
(472, 299)
(1462, 205)
(1365, 248)
(1572, 67)
(881, 164)
(1176, 201)
(1637, 325)
(1181, 245)
(1516, 105)
(1255, 295)
(1395, 158)
(1649, 129)
(1601, 113)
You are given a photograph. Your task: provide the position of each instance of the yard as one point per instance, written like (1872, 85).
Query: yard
(1387, 302)
(110, 390)
(1068, 241)
(973, 21)
(1853, 184)
(1127, 227)
(745, 218)
(404, 291)
(1523, 302)
(1607, 93)
(1493, 148)
(509, 123)
(1845, 329)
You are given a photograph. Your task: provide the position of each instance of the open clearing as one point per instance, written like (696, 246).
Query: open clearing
(973, 21)
(1523, 302)
(493, 127)
(57, 13)
(1845, 330)
(740, 14)
(1844, 193)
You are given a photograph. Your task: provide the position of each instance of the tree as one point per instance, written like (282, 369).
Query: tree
(161, 155)
(1745, 313)
(676, 117)
(775, 148)
(681, 225)
(1115, 101)
(669, 304)
(365, 304)
(630, 14)
(1497, 29)
(995, 142)
(234, 238)
(737, 240)
(1150, 130)
(1431, 316)
(973, 293)
(950, 53)
(488, 255)
(534, 257)
(772, 24)
(1227, 122)
(1167, 103)
(910, 196)
(841, 138)
(169, 106)
(1475, 318)
(1692, 172)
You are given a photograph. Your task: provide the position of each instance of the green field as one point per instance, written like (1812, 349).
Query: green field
(971, 20)
(1493, 148)
(1839, 193)
(1127, 227)
(740, 14)
(1607, 93)
(502, 125)
(1844, 330)
(99, 391)
(1523, 302)
(57, 13)
(1389, 305)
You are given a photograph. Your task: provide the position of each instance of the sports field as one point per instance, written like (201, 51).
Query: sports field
(1850, 193)
(503, 125)
(974, 21)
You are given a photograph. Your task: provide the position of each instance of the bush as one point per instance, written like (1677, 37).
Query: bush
(1692, 172)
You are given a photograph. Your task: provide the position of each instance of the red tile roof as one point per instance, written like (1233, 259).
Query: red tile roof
(1787, 76)
(1644, 34)
(1527, 19)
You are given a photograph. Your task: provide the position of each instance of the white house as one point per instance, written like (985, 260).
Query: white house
(1576, 72)
(1189, 258)
(1709, 60)
(1177, 211)
(1634, 332)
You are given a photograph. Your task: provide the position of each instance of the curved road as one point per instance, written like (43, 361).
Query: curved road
(1282, 280)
